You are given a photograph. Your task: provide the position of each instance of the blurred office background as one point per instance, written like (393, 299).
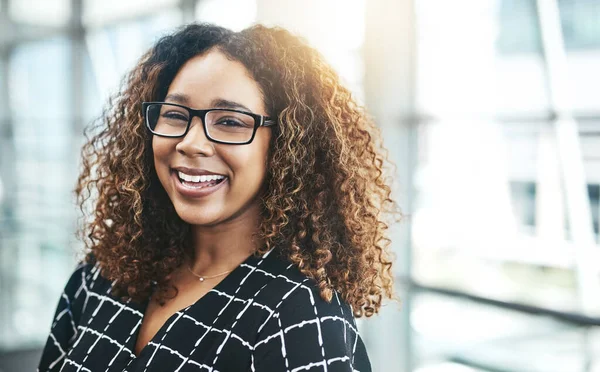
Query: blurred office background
(490, 109)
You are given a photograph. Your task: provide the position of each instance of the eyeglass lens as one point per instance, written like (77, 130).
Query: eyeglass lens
(221, 125)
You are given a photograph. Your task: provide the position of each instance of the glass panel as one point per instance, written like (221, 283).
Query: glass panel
(462, 71)
(41, 12)
(519, 38)
(114, 50)
(498, 217)
(525, 72)
(580, 24)
(39, 156)
(585, 80)
(519, 31)
(581, 31)
(98, 12)
(39, 215)
(492, 214)
(335, 27)
(479, 337)
(217, 12)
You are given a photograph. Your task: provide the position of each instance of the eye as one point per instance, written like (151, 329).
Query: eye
(231, 122)
(174, 115)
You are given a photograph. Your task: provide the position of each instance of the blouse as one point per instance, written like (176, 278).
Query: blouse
(264, 316)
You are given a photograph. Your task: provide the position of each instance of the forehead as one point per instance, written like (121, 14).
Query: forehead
(212, 76)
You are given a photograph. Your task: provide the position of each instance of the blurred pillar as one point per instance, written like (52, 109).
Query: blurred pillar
(7, 201)
(571, 157)
(77, 56)
(188, 10)
(77, 88)
(390, 62)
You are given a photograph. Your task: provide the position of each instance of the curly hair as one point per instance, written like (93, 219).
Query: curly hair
(326, 200)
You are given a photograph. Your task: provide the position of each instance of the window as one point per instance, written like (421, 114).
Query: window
(40, 12)
(494, 217)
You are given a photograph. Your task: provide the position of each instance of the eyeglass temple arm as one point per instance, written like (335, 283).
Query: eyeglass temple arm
(268, 122)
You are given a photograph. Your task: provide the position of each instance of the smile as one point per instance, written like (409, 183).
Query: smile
(200, 179)
(198, 186)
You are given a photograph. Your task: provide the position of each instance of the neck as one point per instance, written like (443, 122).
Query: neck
(224, 246)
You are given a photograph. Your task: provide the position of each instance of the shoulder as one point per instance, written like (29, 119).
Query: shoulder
(85, 291)
(305, 330)
(79, 278)
(300, 305)
(86, 276)
(304, 299)
(70, 313)
(293, 293)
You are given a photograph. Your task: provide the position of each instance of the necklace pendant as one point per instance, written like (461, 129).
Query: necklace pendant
(201, 279)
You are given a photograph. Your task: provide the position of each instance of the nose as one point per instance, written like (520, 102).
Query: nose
(195, 142)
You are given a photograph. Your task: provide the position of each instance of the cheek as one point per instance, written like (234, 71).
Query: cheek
(159, 147)
(250, 163)
(160, 150)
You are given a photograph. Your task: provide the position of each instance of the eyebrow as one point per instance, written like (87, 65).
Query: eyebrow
(184, 99)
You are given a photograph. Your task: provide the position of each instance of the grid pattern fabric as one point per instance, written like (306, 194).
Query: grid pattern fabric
(264, 316)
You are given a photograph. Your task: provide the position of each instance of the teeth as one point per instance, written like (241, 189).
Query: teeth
(190, 178)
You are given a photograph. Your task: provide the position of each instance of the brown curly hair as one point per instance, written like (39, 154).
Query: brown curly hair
(326, 201)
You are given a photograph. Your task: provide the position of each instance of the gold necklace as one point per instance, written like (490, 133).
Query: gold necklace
(203, 278)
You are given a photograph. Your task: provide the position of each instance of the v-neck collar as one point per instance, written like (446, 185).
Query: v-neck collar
(228, 281)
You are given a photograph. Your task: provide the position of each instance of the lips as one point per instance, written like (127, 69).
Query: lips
(197, 189)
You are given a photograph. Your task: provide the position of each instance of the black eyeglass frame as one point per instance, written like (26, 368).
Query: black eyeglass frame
(259, 121)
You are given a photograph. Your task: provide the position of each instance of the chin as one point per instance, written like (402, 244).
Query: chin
(199, 217)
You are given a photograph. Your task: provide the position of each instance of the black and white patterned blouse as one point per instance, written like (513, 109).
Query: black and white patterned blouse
(264, 316)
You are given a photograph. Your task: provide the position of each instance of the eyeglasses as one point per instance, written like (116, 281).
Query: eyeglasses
(233, 127)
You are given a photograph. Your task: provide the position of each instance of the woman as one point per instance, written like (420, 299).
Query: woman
(239, 217)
